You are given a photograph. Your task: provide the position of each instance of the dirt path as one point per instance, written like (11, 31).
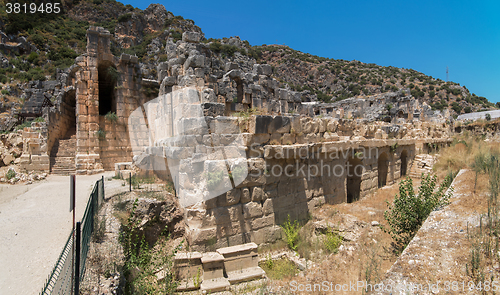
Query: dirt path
(35, 222)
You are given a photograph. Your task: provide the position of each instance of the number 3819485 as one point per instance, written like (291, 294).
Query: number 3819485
(33, 8)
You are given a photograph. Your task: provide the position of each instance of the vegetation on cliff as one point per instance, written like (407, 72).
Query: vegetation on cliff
(53, 41)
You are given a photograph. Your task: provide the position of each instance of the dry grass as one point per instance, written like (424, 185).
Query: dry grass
(462, 154)
(476, 192)
(366, 257)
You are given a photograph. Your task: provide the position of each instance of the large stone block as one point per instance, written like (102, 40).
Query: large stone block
(260, 124)
(252, 210)
(195, 61)
(265, 221)
(227, 214)
(232, 197)
(213, 109)
(187, 266)
(258, 194)
(225, 125)
(267, 207)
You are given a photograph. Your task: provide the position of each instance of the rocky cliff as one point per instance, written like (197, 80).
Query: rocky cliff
(43, 47)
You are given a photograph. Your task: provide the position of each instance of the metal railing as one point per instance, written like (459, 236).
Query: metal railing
(60, 280)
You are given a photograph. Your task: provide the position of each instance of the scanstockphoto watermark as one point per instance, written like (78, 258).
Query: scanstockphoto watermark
(318, 152)
(308, 171)
(310, 163)
(359, 286)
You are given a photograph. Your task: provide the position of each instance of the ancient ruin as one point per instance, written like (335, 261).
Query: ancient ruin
(293, 155)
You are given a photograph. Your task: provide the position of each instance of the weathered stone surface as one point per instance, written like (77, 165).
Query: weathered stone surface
(257, 194)
(251, 210)
(260, 124)
(193, 37)
(245, 195)
(232, 197)
(213, 109)
(280, 124)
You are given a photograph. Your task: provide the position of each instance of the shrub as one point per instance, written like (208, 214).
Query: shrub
(409, 210)
(145, 261)
(332, 241)
(467, 110)
(488, 117)
(111, 116)
(32, 57)
(291, 231)
(124, 17)
(101, 134)
(456, 107)
(10, 174)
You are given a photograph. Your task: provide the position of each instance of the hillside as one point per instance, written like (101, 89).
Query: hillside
(38, 46)
(334, 80)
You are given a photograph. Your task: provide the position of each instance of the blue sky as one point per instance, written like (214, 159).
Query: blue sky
(426, 36)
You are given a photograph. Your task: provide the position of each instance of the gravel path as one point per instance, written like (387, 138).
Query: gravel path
(35, 222)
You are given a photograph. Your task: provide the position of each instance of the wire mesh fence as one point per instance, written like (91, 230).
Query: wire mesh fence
(61, 280)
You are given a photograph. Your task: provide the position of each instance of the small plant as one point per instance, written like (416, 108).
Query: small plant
(111, 116)
(112, 74)
(237, 173)
(99, 229)
(291, 231)
(358, 155)
(214, 179)
(269, 262)
(394, 147)
(197, 279)
(332, 241)
(487, 117)
(10, 174)
(101, 134)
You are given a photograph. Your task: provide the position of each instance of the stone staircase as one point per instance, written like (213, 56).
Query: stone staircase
(62, 156)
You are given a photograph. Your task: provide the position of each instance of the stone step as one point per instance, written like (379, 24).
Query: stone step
(63, 165)
(246, 274)
(215, 285)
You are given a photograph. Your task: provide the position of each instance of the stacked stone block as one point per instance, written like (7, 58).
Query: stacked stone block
(35, 157)
(241, 263)
(216, 271)
(188, 270)
(213, 273)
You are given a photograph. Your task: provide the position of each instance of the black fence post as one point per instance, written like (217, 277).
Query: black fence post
(77, 258)
(130, 182)
(102, 182)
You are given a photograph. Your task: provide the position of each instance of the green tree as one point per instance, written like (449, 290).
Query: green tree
(409, 210)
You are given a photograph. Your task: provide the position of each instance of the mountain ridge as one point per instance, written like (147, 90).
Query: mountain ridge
(35, 48)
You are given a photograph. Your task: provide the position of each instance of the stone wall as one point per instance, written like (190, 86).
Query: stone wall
(276, 190)
(241, 177)
(62, 118)
(35, 157)
(106, 84)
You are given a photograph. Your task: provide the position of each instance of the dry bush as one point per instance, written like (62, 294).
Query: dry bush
(462, 154)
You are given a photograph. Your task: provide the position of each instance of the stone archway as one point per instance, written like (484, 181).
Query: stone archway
(404, 163)
(353, 180)
(107, 77)
(383, 169)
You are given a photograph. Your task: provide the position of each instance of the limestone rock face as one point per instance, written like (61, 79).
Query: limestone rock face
(156, 216)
